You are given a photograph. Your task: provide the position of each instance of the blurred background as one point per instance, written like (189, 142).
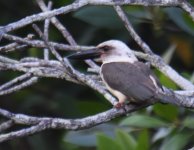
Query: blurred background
(168, 31)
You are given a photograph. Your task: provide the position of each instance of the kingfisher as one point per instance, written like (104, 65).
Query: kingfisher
(127, 78)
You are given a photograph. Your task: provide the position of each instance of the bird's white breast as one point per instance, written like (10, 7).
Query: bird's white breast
(120, 96)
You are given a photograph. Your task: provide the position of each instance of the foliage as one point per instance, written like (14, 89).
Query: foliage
(157, 127)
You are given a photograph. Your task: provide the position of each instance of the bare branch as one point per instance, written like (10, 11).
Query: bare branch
(136, 2)
(7, 60)
(40, 124)
(15, 81)
(78, 4)
(41, 16)
(131, 30)
(11, 47)
(188, 8)
(6, 125)
(15, 88)
(67, 66)
(54, 52)
(64, 32)
(58, 24)
(23, 132)
(46, 32)
(157, 62)
(41, 44)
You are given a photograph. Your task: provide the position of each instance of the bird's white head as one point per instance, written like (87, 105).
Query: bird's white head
(115, 51)
(109, 51)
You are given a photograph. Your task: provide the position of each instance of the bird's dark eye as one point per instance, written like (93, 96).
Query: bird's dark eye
(106, 48)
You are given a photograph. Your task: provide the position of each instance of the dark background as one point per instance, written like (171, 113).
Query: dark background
(157, 127)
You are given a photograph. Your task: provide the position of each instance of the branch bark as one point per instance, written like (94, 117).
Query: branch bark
(44, 123)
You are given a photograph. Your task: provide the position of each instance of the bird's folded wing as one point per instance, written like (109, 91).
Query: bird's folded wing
(131, 79)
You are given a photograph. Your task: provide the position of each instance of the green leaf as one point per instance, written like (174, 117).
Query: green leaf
(168, 55)
(105, 143)
(176, 142)
(143, 121)
(138, 14)
(162, 133)
(167, 82)
(125, 139)
(181, 19)
(33, 52)
(87, 137)
(143, 141)
(168, 112)
(99, 16)
(189, 122)
(90, 107)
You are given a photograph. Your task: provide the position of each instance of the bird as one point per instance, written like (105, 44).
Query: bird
(127, 78)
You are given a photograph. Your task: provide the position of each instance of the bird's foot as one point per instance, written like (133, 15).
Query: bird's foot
(119, 105)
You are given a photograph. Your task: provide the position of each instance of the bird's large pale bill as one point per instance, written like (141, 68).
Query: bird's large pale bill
(87, 54)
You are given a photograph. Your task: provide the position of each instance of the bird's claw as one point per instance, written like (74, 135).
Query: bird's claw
(119, 105)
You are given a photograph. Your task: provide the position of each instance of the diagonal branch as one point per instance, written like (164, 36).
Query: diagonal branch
(20, 86)
(78, 4)
(58, 24)
(64, 32)
(41, 44)
(188, 8)
(23, 132)
(40, 124)
(131, 30)
(6, 125)
(156, 60)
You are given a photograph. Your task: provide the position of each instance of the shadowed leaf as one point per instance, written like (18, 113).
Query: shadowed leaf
(143, 122)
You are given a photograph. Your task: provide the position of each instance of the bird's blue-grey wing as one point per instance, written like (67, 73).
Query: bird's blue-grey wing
(130, 79)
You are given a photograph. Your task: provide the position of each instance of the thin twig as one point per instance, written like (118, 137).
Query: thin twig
(58, 24)
(15, 46)
(66, 34)
(54, 52)
(41, 44)
(23, 132)
(7, 60)
(9, 47)
(46, 32)
(188, 8)
(6, 125)
(15, 81)
(18, 87)
(131, 30)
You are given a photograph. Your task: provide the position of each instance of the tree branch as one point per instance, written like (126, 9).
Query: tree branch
(46, 32)
(78, 4)
(41, 44)
(6, 125)
(40, 124)
(156, 61)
